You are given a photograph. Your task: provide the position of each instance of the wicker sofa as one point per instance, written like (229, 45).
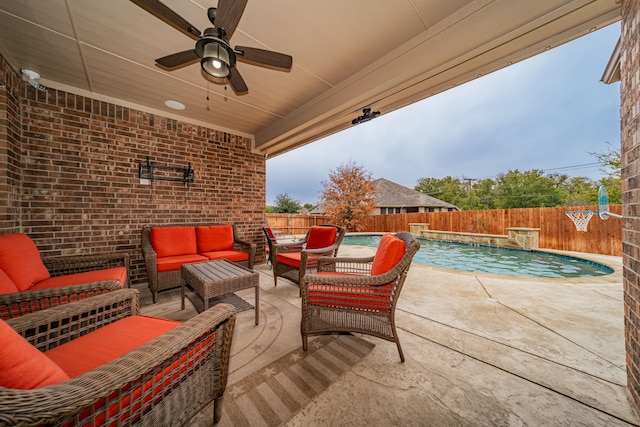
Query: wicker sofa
(30, 283)
(165, 248)
(98, 362)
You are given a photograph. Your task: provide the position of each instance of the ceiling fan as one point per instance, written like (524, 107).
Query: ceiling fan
(212, 48)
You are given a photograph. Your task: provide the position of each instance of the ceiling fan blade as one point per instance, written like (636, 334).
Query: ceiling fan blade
(162, 12)
(178, 60)
(265, 58)
(237, 82)
(228, 14)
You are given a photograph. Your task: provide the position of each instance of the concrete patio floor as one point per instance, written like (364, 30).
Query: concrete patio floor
(487, 350)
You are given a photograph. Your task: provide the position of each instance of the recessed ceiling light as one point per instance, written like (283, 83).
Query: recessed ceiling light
(174, 104)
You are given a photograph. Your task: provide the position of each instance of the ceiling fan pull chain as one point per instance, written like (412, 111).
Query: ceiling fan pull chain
(207, 95)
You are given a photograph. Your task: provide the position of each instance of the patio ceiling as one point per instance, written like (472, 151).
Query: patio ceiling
(346, 55)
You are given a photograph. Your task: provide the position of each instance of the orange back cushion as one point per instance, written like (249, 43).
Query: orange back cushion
(6, 284)
(270, 233)
(172, 241)
(22, 366)
(20, 260)
(390, 251)
(214, 238)
(321, 237)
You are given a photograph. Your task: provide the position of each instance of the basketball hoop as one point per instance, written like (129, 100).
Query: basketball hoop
(580, 218)
(603, 204)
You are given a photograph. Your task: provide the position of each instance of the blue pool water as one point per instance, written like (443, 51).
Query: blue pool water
(488, 259)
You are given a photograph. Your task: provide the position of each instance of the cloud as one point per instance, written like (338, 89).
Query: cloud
(546, 112)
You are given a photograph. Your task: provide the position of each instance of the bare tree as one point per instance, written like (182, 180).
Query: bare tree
(349, 197)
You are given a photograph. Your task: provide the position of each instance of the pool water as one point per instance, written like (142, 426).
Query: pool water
(494, 260)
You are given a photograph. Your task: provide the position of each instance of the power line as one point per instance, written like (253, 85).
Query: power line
(570, 167)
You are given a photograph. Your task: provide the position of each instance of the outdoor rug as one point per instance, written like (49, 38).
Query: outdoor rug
(272, 395)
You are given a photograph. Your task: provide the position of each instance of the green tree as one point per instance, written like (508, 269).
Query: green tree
(578, 191)
(448, 189)
(484, 195)
(610, 161)
(350, 196)
(285, 204)
(610, 164)
(528, 189)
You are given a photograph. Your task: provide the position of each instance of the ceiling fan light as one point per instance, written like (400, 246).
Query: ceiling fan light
(215, 60)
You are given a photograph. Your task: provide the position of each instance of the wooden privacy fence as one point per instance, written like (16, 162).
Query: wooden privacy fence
(557, 231)
(294, 224)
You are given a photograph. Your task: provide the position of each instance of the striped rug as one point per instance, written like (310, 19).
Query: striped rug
(272, 395)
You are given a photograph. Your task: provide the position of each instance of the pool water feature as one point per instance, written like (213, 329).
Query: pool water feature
(494, 260)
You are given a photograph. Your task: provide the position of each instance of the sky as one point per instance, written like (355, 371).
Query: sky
(548, 112)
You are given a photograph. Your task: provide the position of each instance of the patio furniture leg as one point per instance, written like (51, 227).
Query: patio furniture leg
(217, 410)
(400, 350)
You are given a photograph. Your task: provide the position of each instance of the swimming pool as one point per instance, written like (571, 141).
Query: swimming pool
(494, 260)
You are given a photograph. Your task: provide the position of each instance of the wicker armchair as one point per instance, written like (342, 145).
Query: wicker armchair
(163, 382)
(293, 262)
(21, 303)
(347, 296)
(271, 240)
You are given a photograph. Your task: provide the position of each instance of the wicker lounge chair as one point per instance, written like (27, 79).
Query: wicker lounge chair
(358, 294)
(84, 270)
(293, 263)
(272, 240)
(164, 381)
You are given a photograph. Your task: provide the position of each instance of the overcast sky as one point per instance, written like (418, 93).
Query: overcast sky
(548, 112)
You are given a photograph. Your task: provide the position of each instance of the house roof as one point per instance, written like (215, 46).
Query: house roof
(347, 55)
(396, 195)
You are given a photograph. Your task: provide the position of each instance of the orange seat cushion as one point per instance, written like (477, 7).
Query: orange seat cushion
(321, 237)
(234, 256)
(214, 238)
(99, 347)
(115, 273)
(172, 263)
(22, 366)
(293, 259)
(20, 260)
(172, 241)
(6, 284)
(95, 349)
(389, 253)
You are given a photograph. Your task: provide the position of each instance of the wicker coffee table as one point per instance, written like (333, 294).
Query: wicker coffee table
(214, 278)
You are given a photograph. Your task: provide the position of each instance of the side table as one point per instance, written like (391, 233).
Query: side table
(214, 278)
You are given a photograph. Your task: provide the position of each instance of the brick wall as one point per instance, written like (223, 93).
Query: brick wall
(80, 191)
(630, 114)
(9, 149)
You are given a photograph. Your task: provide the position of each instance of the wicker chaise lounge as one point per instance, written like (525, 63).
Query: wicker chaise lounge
(163, 381)
(358, 294)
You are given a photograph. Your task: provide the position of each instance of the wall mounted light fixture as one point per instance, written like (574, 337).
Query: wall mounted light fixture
(367, 115)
